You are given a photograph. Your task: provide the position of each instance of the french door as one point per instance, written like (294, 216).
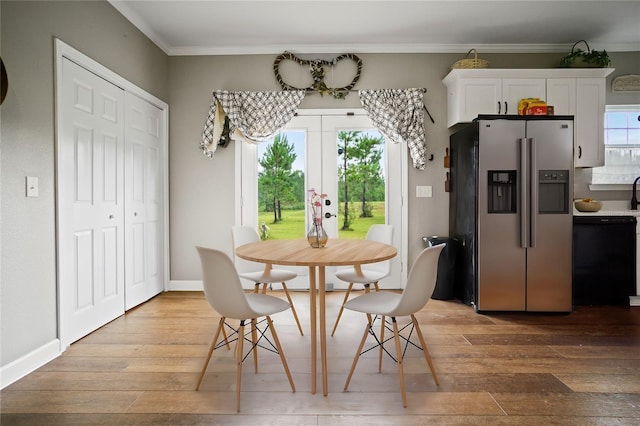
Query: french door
(320, 160)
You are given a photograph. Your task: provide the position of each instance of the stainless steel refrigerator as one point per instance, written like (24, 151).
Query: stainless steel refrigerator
(511, 212)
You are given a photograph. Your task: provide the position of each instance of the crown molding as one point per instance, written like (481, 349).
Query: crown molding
(383, 48)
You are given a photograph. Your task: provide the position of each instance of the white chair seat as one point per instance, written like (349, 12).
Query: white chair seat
(377, 303)
(263, 306)
(351, 276)
(272, 276)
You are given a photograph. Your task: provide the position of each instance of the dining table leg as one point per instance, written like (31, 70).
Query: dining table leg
(314, 328)
(323, 330)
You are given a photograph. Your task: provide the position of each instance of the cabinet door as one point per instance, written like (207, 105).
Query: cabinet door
(514, 89)
(561, 94)
(589, 122)
(479, 96)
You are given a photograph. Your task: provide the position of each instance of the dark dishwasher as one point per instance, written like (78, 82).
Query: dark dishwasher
(604, 253)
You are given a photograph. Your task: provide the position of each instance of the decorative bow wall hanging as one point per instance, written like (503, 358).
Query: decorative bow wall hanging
(318, 71)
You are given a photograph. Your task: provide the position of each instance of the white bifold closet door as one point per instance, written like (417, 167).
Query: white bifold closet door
(110, 201)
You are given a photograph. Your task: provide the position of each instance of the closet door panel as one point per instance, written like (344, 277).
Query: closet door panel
(90, 201)
(143, 200)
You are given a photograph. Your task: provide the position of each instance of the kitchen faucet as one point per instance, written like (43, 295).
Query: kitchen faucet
(634, 199)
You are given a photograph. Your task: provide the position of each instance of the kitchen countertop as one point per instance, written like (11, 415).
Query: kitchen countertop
(611, 208)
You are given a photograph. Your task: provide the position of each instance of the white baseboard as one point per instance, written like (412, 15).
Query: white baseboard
(30, 362)
(179, 285)
(634, 300)
(185, 285)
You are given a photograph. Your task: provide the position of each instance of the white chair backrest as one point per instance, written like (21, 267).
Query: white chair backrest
(222, 285)
(244, 235)
(381, 234)
(421, 281)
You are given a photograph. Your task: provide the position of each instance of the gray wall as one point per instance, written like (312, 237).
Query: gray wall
(28, 257)
(201, 190)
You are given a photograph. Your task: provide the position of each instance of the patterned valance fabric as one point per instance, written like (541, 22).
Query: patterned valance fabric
(256, 116)
(399, 115)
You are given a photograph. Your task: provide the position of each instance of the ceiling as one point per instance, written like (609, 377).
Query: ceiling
(305, 26)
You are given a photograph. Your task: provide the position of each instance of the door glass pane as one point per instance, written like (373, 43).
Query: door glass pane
(361, 182)
(281, 186)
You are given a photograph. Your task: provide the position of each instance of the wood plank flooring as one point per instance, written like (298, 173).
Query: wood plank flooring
(500, 369)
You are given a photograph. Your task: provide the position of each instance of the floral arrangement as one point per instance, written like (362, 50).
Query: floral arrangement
(315, 201)
(317, 237)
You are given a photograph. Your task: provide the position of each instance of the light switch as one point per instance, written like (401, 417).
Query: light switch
(32, 186)
(424, 191)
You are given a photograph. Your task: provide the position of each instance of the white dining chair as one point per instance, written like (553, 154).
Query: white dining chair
(381, 304)
(224, 293)
(259, 273)
(372, 273)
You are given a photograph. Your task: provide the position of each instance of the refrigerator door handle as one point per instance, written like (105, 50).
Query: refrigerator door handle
(524, 202)
(533, 171)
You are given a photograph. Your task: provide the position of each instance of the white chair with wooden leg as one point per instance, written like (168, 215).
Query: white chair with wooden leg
(258, 273)
(381, 304)
(224, 293)
(371, 273)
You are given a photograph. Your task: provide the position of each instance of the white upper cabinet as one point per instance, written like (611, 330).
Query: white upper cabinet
(571, 91)
(514, 89)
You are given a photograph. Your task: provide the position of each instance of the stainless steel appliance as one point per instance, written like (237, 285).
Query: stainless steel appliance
(511, 213)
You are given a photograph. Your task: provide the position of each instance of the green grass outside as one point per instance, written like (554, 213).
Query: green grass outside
(292, 225)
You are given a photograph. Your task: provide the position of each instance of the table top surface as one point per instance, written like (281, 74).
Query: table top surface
(337, 252)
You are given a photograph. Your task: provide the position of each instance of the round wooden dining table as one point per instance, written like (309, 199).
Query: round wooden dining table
(298, 252)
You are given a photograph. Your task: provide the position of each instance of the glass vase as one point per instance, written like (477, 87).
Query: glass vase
(317, 236)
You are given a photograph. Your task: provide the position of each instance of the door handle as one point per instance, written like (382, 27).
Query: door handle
(499, 107)
(534, 193)
(111, 216)
(524, 205)
(579, 151)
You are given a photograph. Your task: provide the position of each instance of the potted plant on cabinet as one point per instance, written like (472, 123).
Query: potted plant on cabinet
(589, 58)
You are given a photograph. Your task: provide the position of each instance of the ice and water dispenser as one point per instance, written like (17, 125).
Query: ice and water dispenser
(553, 191)
(503, 191)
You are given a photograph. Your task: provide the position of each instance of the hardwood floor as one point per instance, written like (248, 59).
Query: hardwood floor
(499, 369)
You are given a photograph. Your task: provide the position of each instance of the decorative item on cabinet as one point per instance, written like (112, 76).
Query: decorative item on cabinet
(447, 159)
(467, 63)
(589, 58)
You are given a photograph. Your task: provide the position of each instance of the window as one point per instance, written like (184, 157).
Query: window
(320, 160)
(621, 146)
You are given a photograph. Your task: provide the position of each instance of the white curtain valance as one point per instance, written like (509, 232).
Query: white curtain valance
(256, 116)
(399, 115)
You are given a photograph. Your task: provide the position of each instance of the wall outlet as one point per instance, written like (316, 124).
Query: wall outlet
(32, 186)
(424, 191)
